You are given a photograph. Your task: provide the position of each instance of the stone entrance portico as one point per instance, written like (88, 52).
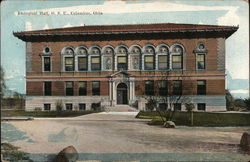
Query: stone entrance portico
(115, 80)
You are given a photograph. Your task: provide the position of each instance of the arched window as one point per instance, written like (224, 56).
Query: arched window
(121, 58)
(162, 57)
(46, 59)
(82, 58)
(200, 53)
(134, 57)
(149, 57)
(68, 59)
(95, 58)
(107, 57)
(177, 56)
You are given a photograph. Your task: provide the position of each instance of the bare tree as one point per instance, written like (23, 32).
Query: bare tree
(169, 92)
(3, 85)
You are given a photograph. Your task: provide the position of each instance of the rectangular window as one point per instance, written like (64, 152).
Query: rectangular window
(46, 64)
(163, 88)
(82, 88)
(201, 61)
(95, 88)
(82, 106)
(163, 62)
(95, 63)
(69, 64)
(201, 106)
(177, 87)
(149, 87)
(69, 89)
(163, 106)
(46, 107)
(177, 62)
(82, 64)
(177, 106)
(47, 88)
(149, 62)
(69, 106)
(122, 63)
(201, 87)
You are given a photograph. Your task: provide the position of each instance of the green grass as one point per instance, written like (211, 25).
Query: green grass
(11, 153)
(200, 118)
(9, 113)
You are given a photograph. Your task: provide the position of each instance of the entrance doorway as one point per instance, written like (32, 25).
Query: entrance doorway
(122, 94)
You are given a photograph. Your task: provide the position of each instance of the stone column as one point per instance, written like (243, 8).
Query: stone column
(114, 93)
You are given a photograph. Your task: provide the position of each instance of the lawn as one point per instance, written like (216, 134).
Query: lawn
(9, 113)
(200, 118)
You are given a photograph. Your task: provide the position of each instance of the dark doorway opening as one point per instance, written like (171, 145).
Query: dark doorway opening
(122, 94)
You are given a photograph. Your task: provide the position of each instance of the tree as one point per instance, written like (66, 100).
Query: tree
(3, 85)
(247, 103)
(173, 98)
(229, 101)
(190, 107)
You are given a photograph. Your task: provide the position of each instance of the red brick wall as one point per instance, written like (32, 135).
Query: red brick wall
(215, 87)
(189, 44)
(104, 88)
(34, 88)
(58, 88)
(139, 88)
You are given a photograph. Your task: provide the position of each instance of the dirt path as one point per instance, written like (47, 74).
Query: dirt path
(107, 133)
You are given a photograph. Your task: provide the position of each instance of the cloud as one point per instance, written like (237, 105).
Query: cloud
(46, 26)
(240, 91)
(200, 22)
(230, 18)
(67, 25)
(28, 26)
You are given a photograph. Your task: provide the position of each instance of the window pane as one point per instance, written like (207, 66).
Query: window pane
(149, 58)
(46, 106)
(163, 59)
(162, 62)
(177, 62)
(122, 59)
(201, 87)
(201, 106)
(82, 88)
(82, 106)
(69, 84)
(177, 87)
(95, 63)
(95, 60)
(69, 63)
(47, 88)
(149, 88)
(69, 106)
(46, 63)
(82, 63)
(122, 63)
(163, 89)
(149, 62)
(69, 89)
(201, 61)
(95, 88)
(200, 58)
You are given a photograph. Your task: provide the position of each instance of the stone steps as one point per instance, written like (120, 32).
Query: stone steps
(121, 108)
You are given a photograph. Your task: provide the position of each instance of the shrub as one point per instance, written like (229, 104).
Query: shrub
(189, 107)
(38, 109)
(151, 104)
(59, 105)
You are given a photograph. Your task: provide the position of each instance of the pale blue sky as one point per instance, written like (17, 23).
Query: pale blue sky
(231, 12)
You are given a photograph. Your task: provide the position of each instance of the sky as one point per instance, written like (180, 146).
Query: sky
(36, 15)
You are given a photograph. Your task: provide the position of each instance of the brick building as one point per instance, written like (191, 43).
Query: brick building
(92, 66)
